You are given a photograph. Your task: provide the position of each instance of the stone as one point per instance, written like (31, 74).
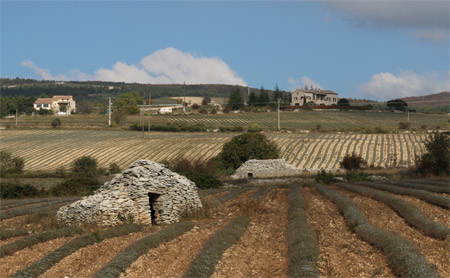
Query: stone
(270, 168)
(147, 192)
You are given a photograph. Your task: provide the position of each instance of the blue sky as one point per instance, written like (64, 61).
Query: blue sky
(364, 49)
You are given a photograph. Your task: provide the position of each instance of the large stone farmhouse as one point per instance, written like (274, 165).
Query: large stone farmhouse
(56, 103)
(318, 97)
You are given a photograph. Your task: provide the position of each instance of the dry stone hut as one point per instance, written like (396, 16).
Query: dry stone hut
(270, 168)
(146, 193)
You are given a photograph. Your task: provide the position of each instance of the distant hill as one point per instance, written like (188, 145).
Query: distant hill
(100, 91)
(434, 100)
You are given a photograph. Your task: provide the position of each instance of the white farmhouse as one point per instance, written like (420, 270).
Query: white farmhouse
(319, 97)
(55, 103)
(165, 110)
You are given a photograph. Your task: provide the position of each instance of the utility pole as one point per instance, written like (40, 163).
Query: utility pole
(17, 115)
(109, 112)
(408, 116)
(149, 110)
(278, 104)
(184, 100)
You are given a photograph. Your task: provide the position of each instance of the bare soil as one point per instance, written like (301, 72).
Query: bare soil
(9, 265)
(435, 251)
(172, 259)
(262, 250)
(85, 262)
(342, 253)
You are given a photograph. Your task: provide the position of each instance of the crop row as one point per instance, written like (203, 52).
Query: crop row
(39, 208)
(407, 211)
(404, 258)
(429, 197)
(426, 187)
(302, 150)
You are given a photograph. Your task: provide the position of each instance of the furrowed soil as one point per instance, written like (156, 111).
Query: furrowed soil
(435, 251)
(342, 253)
(85, 262)
(262, 250)
(172, 259)
(9, 265)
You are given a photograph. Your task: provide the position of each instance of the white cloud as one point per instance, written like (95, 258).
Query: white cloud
(300, 83)
(385, 85)
(428, 18)
(165, 66)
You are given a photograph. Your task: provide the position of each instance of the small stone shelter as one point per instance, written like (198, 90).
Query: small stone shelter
(270, 168)
(146, 193)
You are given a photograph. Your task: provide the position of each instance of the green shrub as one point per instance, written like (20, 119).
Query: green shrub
(324, 177)
(404, 125)
(254, 128)
(212, 251)
(244, 147)
(9, 164)
(205, 174)
(86, 166)
(77, 185)
(436, 159)
(356, 176)
(15, 190)
(114, 168)
(352, 162)
(56, 123)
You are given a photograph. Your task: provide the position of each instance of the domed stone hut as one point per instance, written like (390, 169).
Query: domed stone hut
(146, 193)
(269, 168)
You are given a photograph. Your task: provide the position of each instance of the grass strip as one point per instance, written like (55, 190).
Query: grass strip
(39, 267)
(5, 234)
(426, 187)
(15, 246)
(303, 249)
(410, 213)
(230, 195)
(429, 197)
(212, 251)
(404, 258)
(32, 209)
(121, 262)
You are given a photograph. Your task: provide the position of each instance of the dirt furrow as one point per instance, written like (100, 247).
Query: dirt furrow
(173, 258)
(262, 250)
(24, 258)
(381, 216)
(342, 253)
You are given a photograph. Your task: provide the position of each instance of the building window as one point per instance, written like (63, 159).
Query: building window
(45, 105)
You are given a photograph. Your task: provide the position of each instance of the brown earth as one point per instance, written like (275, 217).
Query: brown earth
(31, 222)
(9, 265)
(342, 253)
(173, 258)
(85, 262)
(262, 250)
(435, 251)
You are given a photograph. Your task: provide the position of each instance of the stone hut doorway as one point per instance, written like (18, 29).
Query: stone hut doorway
(152, 197)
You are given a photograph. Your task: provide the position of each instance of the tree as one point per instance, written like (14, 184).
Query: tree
(343, 102)
(85, 107)
(85, 165)
(252, 99)
(10, 164)
(206, 100)
(128, 102)
(397, 104)
(56, 123)
(244, 147)
(236, 101)
(119, 115)
(436, 160)
(276, 93)
(352, 162)
(263, 97)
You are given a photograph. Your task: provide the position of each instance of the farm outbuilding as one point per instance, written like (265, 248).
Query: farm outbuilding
(146, 193)
(269, 168)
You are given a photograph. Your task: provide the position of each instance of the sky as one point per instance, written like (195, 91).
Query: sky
(360, 49)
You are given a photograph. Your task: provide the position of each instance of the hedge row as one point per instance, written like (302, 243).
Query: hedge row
(39, 267)
(426, 187)
(15, 246)
(5, 234)
(409, 212)
(49, 206)
(303, 249)
(212, 251)
(429, 197)
(404, 258)
(121, 262)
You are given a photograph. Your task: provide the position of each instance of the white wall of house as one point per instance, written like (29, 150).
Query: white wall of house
(301, 97)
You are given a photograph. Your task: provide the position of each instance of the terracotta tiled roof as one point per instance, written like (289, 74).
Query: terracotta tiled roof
(61, 97)
(44, 101)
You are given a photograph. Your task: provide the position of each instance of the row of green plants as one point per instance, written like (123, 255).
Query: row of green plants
(432, 182)
(11, 248)
(404, 258)
(432, 198)
(303, 248)
(5, 234)
(122, 261)
(427, 187)
(410, 213)
(8, 204)
(196, 127)
(39, 208)
(48, 261)
(212, 251)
